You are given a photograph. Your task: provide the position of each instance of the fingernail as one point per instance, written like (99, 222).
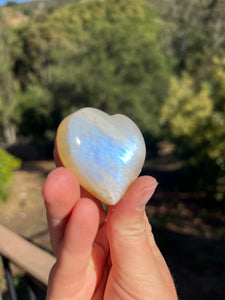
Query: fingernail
(145, 196)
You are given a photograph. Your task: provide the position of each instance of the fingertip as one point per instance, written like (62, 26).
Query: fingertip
(136, 197)
(149, 185)
(82, 226)
(60, 191)
(86, 211)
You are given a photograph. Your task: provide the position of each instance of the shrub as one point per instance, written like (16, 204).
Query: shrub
(7, 164)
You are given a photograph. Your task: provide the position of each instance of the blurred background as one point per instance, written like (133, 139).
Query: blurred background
(160, 62)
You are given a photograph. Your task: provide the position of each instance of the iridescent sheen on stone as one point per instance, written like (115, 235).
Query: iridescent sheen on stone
(106, 152)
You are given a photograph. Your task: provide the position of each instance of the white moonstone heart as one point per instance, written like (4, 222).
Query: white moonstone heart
(105, 152)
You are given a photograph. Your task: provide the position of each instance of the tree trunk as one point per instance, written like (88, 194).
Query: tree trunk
(9, 133)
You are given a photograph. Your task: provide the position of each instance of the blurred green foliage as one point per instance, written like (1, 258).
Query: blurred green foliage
(8, 163)
(193, 121)
(187, 111)
(83, 55)
(160, 62)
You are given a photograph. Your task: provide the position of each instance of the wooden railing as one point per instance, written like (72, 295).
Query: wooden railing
(36, 262)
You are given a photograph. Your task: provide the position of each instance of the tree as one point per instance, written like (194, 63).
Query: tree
(104, 54)
(32, 112)
(186, 111)
(108, 56)
(217, 131)
(193, 34)
(6, 81)
(194, 120)
(9, 48)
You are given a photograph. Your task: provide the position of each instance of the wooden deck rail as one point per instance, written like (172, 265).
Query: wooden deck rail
(33, 260)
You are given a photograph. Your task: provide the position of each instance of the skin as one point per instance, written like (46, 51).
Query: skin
(99, 256)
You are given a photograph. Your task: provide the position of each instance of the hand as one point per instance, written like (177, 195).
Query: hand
(101, 256)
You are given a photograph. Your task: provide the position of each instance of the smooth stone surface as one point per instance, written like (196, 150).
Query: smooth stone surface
(106, 152)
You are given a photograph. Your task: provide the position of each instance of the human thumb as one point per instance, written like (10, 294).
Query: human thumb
(126, 227)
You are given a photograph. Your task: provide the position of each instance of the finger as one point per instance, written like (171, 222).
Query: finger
(128, 239)
(76, 260)
(61, 191)
(101, 240)
(86, 194)
(158, 255)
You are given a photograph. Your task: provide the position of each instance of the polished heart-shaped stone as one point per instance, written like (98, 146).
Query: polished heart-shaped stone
(106, 152)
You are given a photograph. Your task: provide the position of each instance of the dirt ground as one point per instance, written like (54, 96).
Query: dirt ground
(24, 212)
(192, 245)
